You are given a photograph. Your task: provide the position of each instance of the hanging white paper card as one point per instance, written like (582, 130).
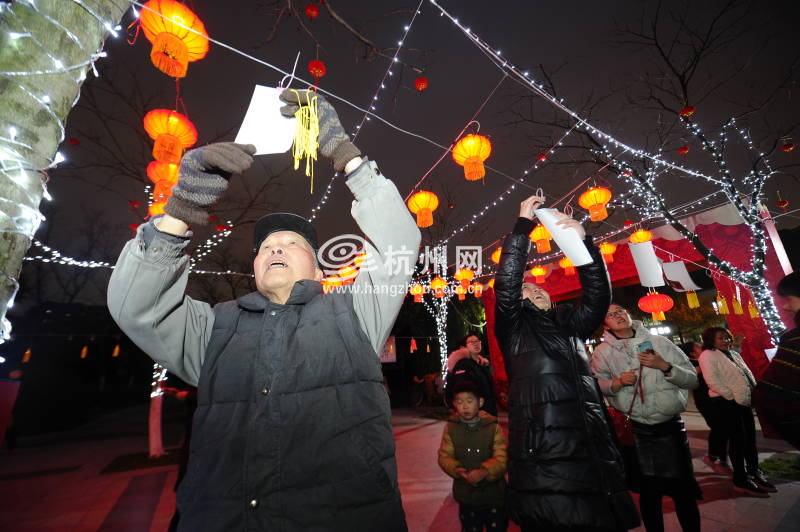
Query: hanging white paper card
(567, 239)
(264, 126)
(647, 264)
(678, 276)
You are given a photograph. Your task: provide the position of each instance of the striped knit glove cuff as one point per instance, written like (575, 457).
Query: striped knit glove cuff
(203, 178)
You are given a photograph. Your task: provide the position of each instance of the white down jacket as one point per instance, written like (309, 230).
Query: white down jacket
(725, 378)
(664, 396)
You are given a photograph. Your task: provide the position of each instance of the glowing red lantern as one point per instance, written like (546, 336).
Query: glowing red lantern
(607, 249)
(470, 152)
(165, 24)
(156, 208)
(496, 255)
(172, 132)
(74, 141)
(656, 304)
(317, 69)
(477, 289)
(542, 157)
(464, 276)
(417, 290)
(162, 191)
(133, 204)
(438, 285)
(421, 83)
(683, 150)
(539, 272)
(423, 203)
(567, 266)
(594, 200)
(627, 223)
(490, 284)
(461, 292)
(687, 111)
(787, 148)
(542, 237)
(641, 236)
(312, 11)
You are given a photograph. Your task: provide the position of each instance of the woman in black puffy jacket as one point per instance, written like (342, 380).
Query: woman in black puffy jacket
(565, 471)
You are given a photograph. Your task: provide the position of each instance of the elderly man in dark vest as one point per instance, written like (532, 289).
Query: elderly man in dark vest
(292, 430)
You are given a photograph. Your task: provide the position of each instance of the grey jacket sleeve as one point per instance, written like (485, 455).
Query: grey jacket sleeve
(392, 251)
(602, 373)
(147, 298)
(683, 374)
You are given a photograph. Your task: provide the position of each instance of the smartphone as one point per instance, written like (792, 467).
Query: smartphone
(644, 346)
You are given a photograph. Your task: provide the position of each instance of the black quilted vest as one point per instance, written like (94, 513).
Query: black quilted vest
(292, 429)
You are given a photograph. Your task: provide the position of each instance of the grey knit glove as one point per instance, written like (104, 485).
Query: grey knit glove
(203, 178)
(333, 141)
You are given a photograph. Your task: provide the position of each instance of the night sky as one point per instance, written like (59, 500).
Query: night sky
(575, 41)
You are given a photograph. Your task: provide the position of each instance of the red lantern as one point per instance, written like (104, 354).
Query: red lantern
(539, 272)
(317, 69)
(607, 249)
(464, 276)
(687, 111)
(470, 152)
(421, 83)
(461, 292)
(74, 141)
(641, 236)
(567, 266)
(159, 171)
(423, 203)
(782, 203)
(172, 132)
(162, 191)
(438, 285)
(542, 157)
(542, 237)
(496, 255)
(312, 11)
(594, 200)
(683, 150)
(417, 290)
(477, 289)
(787, 148)
(165, 24)
(133, 204)
(626, 173)
(627, 223)
(156, 208)
(212, 218)
(656, 304)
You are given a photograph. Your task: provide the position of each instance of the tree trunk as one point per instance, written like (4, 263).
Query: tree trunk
(55, 39)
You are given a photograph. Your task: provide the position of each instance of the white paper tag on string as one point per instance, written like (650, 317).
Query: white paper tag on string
(678, 275)
(264, 126)
(647, 264)
(567, 239)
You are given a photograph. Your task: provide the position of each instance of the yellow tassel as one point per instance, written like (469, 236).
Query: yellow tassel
(306, 135)
(658, 316)
(85, 351)
(691, 299)
(115, 352)
(737, 306)
(427, 348)
(751, 308)
(722, 305)
(26, 357)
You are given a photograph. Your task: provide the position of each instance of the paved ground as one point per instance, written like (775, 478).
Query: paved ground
(54, 482)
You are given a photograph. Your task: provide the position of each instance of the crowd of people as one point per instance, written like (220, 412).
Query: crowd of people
(571, 463)
(294, 433)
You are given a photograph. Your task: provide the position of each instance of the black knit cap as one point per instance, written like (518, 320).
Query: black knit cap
(284, 221)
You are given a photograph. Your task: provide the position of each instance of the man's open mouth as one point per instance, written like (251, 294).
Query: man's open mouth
(277, 264)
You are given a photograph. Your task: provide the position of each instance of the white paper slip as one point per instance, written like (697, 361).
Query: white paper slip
(647, 264)
(264, 126)
(677, 274)
(567, 239)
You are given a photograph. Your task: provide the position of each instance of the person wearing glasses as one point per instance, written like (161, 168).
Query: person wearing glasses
(647, 378)
(565, 472)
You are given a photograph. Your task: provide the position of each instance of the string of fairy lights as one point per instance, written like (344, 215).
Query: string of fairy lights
(13, 161)
(19, 212)
(373, 106)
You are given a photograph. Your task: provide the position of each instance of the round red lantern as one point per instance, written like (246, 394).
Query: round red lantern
(567, 266)
(541, 236)
(787, 148)
(542, 157)
(312, 11)
(417, 290)
(172, 132)
(317, 69)
(167, 24)
(421, 83)
(607, 249)
(687, 111)
(656, 304)
(438, 285)
(683, 150)
(539, 272)
(594, 200)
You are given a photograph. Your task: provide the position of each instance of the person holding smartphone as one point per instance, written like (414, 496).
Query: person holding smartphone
(647, 377)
